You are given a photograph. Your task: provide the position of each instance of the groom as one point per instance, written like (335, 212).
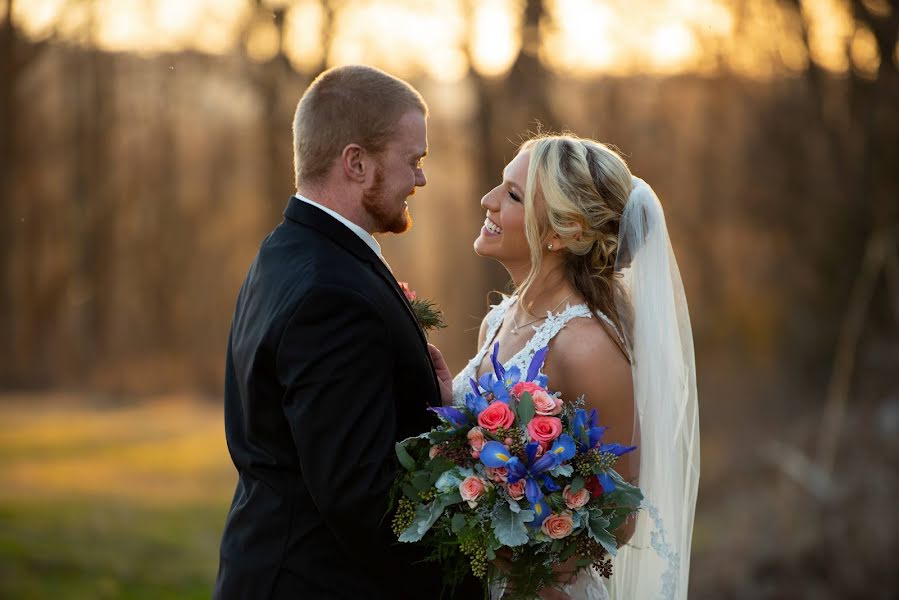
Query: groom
(327, 367)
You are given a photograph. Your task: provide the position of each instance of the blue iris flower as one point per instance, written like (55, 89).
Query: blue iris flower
(451, 415)
(497, 366)
(475, 403)
(532, 468)
(541, 511)
(586, 431)
(536, 365)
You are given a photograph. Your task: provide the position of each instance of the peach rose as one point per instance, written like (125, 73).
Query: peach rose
(434, 451)
(577, 500)
(471, 489)
(498, 474)
(495, 416)
(558, 526)
(516, 490)
(544, 404)
(476, 439)
(544, 429)
(526, 386)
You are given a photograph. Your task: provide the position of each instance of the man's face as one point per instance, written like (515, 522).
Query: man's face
(398, 172)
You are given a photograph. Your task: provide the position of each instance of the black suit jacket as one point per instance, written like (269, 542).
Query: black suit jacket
(327, 369)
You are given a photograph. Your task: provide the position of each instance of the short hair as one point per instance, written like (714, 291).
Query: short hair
(353, 104)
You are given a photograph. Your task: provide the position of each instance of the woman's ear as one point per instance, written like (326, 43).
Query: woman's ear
(554, 243)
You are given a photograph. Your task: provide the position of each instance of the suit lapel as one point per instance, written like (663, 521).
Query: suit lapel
(306, 214)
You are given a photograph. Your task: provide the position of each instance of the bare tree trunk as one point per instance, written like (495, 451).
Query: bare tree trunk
(7, 168)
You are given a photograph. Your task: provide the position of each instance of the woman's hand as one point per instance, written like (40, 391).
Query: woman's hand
(444, 376)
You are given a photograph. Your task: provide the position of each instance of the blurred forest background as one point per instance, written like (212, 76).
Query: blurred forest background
(145, 151)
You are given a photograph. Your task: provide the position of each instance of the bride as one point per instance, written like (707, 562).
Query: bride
(586, 246)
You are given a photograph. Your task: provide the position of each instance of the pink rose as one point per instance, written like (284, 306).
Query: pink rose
(434, 451)
(409, 293)
(516, 490)
(544, 429)
(577, 500)
(558, 526)
(498, 474)
(476, 439)
(495, 416)
(544, 404)
(526, 386)
(471, 489)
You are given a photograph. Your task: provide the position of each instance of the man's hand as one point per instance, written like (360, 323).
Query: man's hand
(444, 376)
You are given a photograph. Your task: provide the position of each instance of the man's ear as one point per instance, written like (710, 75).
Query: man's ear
(354, 163)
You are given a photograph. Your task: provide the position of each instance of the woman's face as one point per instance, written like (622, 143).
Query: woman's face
(502, 236)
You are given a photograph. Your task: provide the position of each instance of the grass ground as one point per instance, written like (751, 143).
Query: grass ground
(111, 500)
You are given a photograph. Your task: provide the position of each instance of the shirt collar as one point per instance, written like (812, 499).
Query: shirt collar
(363, 235)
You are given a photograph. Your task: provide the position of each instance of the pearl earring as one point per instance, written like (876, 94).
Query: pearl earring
(550, 247)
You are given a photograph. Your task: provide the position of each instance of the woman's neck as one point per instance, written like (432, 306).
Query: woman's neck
(550, 287)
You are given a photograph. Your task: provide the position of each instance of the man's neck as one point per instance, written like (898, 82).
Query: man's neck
(341, 202)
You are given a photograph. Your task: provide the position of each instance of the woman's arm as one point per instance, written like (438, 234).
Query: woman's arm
(585, 361)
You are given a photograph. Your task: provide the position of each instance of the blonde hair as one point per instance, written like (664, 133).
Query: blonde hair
(353, 104)
(584, 186)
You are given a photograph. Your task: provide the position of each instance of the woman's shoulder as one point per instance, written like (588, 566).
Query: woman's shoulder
(589, 346)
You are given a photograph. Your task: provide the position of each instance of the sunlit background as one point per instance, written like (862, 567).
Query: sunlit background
(145, 151)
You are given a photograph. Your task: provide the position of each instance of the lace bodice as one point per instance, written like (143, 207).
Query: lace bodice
(543, 333)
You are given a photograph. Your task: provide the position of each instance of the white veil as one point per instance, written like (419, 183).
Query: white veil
(655, 564)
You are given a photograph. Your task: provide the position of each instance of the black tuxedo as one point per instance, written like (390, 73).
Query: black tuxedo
(327, 368)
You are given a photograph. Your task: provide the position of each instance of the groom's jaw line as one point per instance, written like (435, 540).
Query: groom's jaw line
(492, 228)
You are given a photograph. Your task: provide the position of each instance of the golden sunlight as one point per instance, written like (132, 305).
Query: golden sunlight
(303, 42)
(495, 37)
(439, 39)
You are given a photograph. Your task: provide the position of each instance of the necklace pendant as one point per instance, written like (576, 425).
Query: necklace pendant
(515, 331)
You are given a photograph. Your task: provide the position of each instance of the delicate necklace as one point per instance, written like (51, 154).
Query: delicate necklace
(518, 326)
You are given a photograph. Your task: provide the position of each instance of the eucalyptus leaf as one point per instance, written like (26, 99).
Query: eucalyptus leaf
(450, 498)
(577, 484)
(405, 459)
(526, 409)
(410, 492)
(421, 481)
(458, 522)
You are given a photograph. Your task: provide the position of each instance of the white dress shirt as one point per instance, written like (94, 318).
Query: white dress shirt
(363, 235)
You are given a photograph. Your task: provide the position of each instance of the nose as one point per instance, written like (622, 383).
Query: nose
(420, 179)
(489, 201)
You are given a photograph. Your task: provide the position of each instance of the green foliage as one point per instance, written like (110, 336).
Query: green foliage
(509, 527)
(577, 484)
(403, 455)
(526, 410)
(427, 313)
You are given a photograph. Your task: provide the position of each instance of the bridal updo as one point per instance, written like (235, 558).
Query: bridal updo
(577, 188)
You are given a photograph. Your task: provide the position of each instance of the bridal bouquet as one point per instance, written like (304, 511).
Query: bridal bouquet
(515, 471)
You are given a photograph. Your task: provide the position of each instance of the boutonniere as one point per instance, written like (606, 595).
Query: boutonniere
(427, 313)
